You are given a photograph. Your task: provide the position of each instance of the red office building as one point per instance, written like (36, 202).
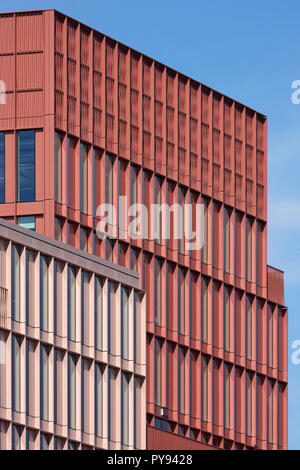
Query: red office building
(86, 120)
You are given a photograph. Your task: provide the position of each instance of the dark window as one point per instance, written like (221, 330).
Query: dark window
(26, 166)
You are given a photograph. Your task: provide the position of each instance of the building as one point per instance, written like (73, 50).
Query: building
(84, 111)
(72, 348)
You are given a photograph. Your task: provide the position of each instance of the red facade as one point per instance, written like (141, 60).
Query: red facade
(112, 122)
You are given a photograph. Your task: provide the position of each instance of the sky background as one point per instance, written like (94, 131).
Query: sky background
(249, 51)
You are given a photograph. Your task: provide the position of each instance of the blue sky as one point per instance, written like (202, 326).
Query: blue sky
(249, 51)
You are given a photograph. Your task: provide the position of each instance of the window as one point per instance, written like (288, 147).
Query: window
(58, 443)
(72, 362)
(125, 409)
(270, 386)
(72, 303)
(109, 179)
(227, 395)
(204, 310)
(16, 373)
(204, 251)
(30, 291)
(44, 293)
(249, 378)
(161, 424)
(249, 223)
(58, 166)
(134, 185)
(134, 257)
(44, 441)
(181, 300)
(158, 370)
(84, 178)
(99, 399)
(227, 213)
(27, 222)
(125, 323)
(158, 182)
(158, 290)
(71, 172)
(204, 395)
(16, 437)
(16, 282)
(72, 445)
(96, 180)
(249, 327)
(181, 219)
(99, 313)
(59, 371)
(85, 394)
(2, 168)
(30, 377)
(44, 382)
(181, 380)
(270, 335)
(227, 318)
(58, 228)
(26, 166)
(84, 239)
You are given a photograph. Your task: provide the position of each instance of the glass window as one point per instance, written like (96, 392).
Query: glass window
(204, 310)
(44, 293)
(158, 371)
(84, 239)
(204, 395)
(158, 183)
(134, 256)
(227, 213)
(27, 222)
(181, 300)
(270, 386)
(72, 303)
(249, 223)
(2, 167)
(72, 391)
(134, 185)
(204, 251)
(158, 290)
(99, 313)
(270, 335)
(26, 166)
(125, 409)
(84, 178)
(227, 396)
(249, 327)
(58, 228)
(181, 380)
(16, 373)
(109, 179)
(58, 166)
(15, 282)
(227, 318)
(249, 377)
(44, 382)
(16, 437)
(99, 399)
(181, 219)
(125, 323)
(45, 441)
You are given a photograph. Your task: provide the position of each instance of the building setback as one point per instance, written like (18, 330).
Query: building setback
(86, 120)
(72, 348)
